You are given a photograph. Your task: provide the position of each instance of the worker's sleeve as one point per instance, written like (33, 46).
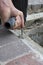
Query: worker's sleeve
(21, 5)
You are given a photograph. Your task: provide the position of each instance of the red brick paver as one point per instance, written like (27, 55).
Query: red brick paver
(26, 60)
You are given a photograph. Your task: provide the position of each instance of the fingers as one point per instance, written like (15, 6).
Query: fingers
(8, 11)
(18, 23)
(19, 16)
(22, 18)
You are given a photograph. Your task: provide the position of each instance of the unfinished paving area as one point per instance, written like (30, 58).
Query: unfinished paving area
(13, 51)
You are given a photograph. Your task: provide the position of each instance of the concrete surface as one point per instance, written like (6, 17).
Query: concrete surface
(13, 51)
(10, 46)
(26, 60)
(34, 2)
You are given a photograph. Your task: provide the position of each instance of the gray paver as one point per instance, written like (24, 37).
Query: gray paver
(13, 46)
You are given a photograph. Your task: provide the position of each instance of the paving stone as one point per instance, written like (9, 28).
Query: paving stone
(26, 60)
(5, 37)
(11, 46)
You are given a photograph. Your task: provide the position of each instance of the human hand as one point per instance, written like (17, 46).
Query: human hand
(7, 10)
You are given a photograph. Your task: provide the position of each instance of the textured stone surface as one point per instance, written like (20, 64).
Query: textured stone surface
(29, 59)
(11, 46)
(34, 2)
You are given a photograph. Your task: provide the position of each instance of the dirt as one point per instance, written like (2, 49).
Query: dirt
(35, 31)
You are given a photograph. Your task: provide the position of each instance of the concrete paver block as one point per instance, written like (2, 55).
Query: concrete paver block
(26, 60)
(11, 46)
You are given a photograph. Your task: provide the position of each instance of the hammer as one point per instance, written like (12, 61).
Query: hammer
(10, 23)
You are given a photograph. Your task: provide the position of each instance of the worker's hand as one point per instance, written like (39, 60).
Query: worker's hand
(19, 20)
(7, 10)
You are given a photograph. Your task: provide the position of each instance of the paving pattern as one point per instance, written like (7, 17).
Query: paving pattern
(12, 47)
(25, 60)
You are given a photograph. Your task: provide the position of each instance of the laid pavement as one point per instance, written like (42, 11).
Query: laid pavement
(13, 51)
